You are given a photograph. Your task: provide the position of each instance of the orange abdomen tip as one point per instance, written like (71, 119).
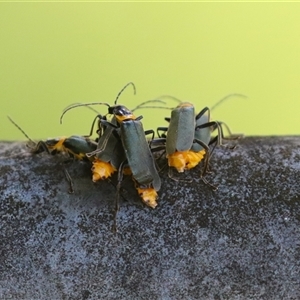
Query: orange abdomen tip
(185, 160)
(102, 170)
(194, 158)
(149, 196)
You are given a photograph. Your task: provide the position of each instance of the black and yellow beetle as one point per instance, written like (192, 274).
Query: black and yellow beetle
(74, 146)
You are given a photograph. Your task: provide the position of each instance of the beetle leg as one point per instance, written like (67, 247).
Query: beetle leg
(117, 201)
(99, 130)
(150, 131)
(69, 179)
(206, 157)
(40, 147)
(171, 173)
(163, 129)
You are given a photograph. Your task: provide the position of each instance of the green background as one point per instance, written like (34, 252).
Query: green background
(55, 54)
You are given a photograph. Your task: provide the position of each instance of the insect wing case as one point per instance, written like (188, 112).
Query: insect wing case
(113, 150)
(202, 134)
(79, 145)
(138, 154)
(181, 128)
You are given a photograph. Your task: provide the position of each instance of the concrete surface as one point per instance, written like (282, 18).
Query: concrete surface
(239, 242)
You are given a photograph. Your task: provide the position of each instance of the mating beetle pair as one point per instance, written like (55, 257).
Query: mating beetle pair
(122, 143)
(185, 147)
(117, 148)
(187, 138)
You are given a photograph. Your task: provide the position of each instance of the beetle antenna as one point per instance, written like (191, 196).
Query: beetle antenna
(25, 134)
(162, 107)
(129, 83)
(141, 105)
(93, 109)
(81, 104)
(225, 98)
(148, 101)
(171, 97)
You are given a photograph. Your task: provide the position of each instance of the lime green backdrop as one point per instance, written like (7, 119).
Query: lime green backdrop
(55, 54)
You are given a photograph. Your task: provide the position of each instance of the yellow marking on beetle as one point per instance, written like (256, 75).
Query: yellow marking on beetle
(127, 171)
(185, 160)
(102, 169)
(120, 119)
(59, 146)
(185, 104)
(79, 156)
(148, 195)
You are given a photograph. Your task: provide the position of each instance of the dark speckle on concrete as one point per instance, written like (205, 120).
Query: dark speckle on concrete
(239, 242)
